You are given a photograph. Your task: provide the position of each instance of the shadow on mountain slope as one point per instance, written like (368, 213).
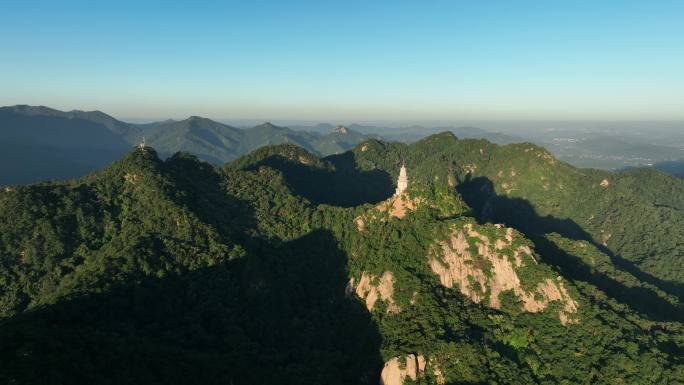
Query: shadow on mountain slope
(519, 213)
(343, 186)
(277, 316)
(199, 189)
(48, 147)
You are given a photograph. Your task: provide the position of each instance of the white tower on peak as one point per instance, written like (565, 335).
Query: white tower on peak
(402, 181)
(141, 146)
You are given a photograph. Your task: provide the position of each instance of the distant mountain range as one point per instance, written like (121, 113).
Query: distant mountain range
(39, 143)
(220, 143)
(412, 133)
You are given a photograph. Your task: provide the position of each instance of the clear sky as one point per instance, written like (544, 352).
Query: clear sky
(347, 60)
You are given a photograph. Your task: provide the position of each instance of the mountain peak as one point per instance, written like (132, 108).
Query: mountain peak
(196, 117)
(268, 126)
(196, 120)
(96, 117)
(26, 109)
(341, 130)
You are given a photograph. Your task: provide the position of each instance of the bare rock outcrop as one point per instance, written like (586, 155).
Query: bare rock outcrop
(382, 289)
(482, 269)
(131, 178)
(395, 371)
(397, 206)
(360, 224)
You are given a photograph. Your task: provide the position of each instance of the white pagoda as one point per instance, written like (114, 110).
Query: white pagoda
(402, 181)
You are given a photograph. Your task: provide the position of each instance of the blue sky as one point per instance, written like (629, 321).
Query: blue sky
(347, 60)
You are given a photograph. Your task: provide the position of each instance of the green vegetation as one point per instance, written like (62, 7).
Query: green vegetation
(39, 143)
(219, 143)
(178, 271)
(633, 213)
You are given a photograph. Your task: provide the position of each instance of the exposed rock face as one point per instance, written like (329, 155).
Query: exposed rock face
(441, 380)
(451, 180)
(399, 205)
(402, 181)
(303, 160)
(383, 290)
(341, 130)
(393, 374)
(489, 270)
(605, 237)
(456, 266)
(395, 207)
(605, 183)
(470, 168)
(131, 178)
(360, 224)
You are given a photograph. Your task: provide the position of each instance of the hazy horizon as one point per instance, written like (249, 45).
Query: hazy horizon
(391, 123)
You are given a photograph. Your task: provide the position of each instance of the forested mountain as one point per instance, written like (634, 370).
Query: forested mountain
(40, 143)
(445, 261)
(209, 140)
(604, 145)
(42, 113)
(219, 143)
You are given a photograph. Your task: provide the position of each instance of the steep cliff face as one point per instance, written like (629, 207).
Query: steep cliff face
(414, 368)
(371, 289)
(485, 262)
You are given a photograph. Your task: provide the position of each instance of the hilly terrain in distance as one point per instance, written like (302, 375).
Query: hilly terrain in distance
(219, 143)
(409, 134)
(608, 145)
(40, 143)
(675, 167)
(446, 261)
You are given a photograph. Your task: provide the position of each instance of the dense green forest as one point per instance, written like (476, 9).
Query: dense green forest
(496, 265)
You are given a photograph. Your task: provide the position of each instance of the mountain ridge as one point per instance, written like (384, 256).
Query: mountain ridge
(251, 271)
(50, 142)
